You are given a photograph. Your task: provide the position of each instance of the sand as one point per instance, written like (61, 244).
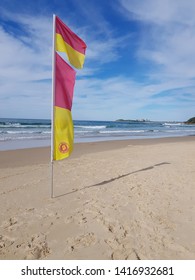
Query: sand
(130, 199)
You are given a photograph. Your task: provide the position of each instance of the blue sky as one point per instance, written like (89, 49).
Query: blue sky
(140, 60)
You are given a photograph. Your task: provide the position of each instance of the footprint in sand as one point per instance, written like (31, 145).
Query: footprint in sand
(81, 241)
(11, 224)
(125, 255)
(5, 243)
(37, 247)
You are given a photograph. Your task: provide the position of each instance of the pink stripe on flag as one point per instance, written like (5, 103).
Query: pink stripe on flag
(64, 85)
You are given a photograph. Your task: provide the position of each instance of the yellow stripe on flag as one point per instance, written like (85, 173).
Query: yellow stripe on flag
(63, 133)
(75, 58)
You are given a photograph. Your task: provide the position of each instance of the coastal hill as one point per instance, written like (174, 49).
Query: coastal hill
(190, 121)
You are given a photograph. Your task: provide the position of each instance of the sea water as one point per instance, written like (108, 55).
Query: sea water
(25, 133)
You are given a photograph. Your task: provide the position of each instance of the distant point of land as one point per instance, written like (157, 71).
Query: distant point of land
(141, 120)
(190, 121)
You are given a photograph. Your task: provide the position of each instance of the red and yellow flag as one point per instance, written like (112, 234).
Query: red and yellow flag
(68, 42)
(63, 124)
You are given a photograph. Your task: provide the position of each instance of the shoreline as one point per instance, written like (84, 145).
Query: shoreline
(113, 200)
(41, 155)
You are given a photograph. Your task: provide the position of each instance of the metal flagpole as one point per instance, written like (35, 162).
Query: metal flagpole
(52, 102)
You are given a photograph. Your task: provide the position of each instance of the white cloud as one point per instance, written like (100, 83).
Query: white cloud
(161, 12)
(167, 42)
(120, 97)
(169, 37)
(24, 66)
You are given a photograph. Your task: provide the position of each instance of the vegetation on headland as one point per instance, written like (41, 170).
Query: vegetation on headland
(190, 121)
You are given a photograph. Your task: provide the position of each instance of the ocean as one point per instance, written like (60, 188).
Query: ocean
(25, 133)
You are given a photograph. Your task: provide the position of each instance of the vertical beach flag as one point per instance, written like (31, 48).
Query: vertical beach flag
(63, 81)
(68, 42)
(63, 125)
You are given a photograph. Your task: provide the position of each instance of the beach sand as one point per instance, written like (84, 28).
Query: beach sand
(131, 199)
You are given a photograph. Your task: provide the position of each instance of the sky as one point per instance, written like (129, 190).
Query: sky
(140, 58)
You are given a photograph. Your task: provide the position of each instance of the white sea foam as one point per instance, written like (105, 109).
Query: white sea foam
(172, 124)
(90, 126)
(120, 131)
(20, 132)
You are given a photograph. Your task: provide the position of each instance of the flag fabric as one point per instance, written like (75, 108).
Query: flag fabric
(68, 42)
(63, 138)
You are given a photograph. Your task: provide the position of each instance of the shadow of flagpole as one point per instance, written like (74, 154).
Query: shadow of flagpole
(112, 179)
